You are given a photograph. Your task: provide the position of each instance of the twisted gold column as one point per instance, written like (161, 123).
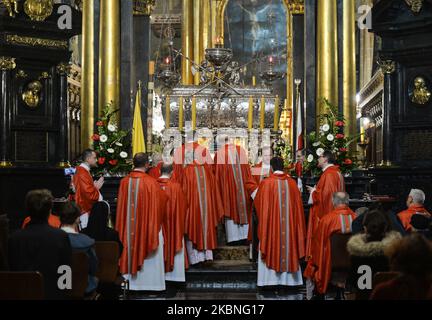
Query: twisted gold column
(327, 54)
(109, 56)
(88, 76)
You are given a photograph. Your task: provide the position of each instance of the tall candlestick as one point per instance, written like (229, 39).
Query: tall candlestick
(276, 114)
(254, 81)
(250, 113)
(262, 113)
(362, 133)
(181, 114)
(167, 112)
(194, 113)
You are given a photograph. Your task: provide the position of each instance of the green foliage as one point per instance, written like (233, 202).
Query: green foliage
(330, 137)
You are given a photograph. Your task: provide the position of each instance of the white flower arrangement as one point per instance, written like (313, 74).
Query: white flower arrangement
(103, 138)
(110, 150)
(316, 144)
(325, 127)
(330, 137)
(310, 158)
(119, 144)
(111, 128)
(319, 152)
(123, 155)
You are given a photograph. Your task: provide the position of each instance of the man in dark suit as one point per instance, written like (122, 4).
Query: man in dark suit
(40, 247)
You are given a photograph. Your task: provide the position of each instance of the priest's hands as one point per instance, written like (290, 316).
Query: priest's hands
(99, 183)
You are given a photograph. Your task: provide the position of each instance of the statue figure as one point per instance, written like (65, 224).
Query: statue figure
(31, 96)
(420, 94)
(206, 72)
(233, 71)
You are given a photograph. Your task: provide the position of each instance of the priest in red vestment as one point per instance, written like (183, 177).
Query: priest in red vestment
(200, 154)
(331, 181)
(141, 208)
(263, 169)
(204, 212)
(339, 220)
(236, 185)
(174, 226)
(415, 202)
(86, 190)
(157, 163)
(281, 229)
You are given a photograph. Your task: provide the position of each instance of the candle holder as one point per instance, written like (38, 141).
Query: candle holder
(167, 76)
(270, 75)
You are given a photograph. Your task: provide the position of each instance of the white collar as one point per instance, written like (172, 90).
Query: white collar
(278, 172)
(85, 166)
(69, 229)
(164, 177)
(328, 166)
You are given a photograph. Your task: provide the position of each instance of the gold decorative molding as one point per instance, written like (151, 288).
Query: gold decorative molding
(63, 68)
(32, 94)
(44, 75)
(5, 164)
(295, 6)
(143, 7)
(38, 10)
(415, 5)
(36, 42)
(7, 63)
(421, 93)
(21, 74)
(11, 6)
(387, 66)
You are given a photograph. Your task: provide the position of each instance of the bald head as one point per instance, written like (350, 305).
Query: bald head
(340, 199)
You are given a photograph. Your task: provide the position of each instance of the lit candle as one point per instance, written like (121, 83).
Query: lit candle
(250, 114)
(151, 67)
(262, 113)
(194, 113)
(254, 81)
(167, 112)
(181, 114)
(276, 114)
(271, 60)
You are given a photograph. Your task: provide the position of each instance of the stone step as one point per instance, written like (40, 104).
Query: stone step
(222, 275)
(231, 253)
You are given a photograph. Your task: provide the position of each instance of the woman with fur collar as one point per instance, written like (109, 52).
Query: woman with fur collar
(368, 248)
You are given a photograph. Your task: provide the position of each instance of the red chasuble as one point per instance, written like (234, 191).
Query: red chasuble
(155, 172)
(141, 206)
(86, 194)
(174, 222)
(235, 183)
(205, 206)
(319, 266)
(200, 154)
(405, 216)
(331, 181)
(281, 223)
(259, 174)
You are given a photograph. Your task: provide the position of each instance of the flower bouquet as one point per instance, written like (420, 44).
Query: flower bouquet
(331, 137)
(111, 145)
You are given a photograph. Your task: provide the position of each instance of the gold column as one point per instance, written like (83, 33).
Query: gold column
(349, 68)
(109, 56)
(205, 28)
(88, 76)
(197, 37)
(327, 54)
(187, 41)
